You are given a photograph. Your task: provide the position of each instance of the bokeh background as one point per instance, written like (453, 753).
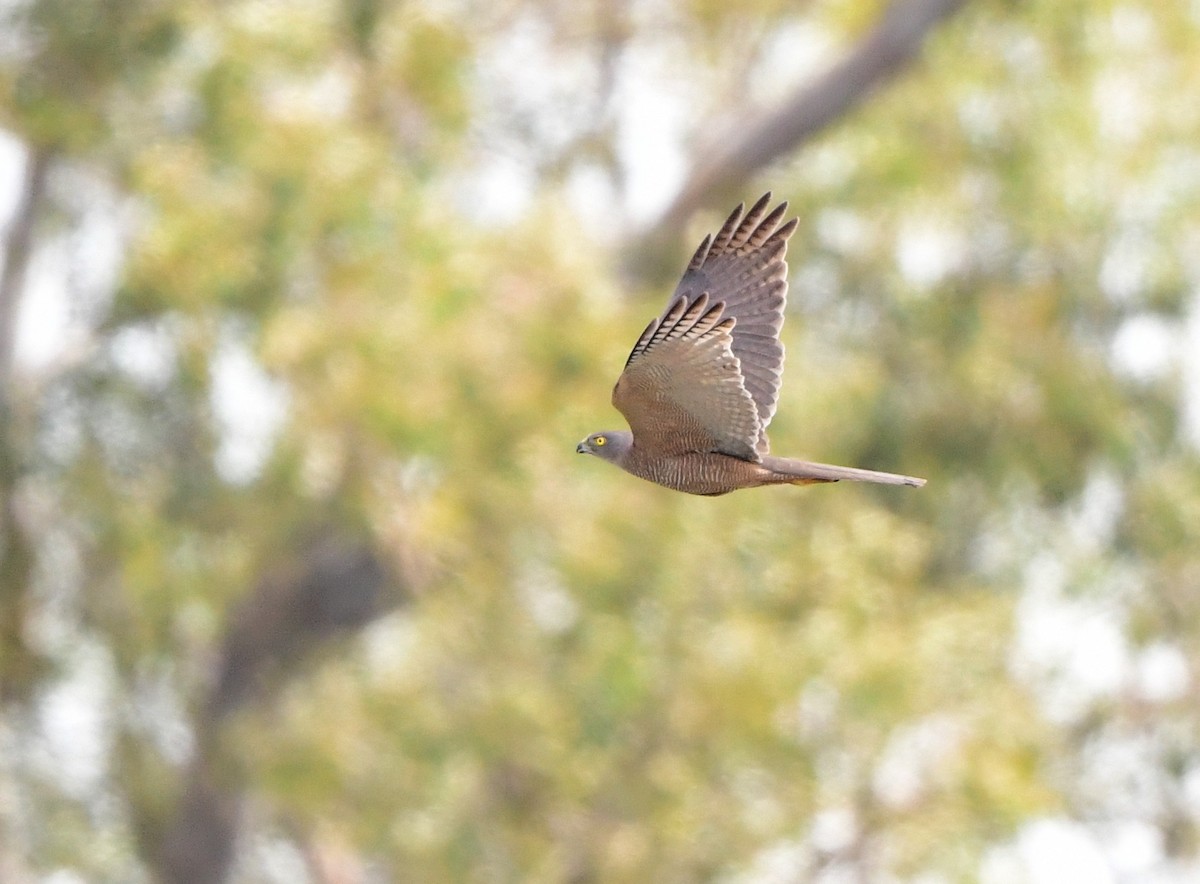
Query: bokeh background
(304, 306)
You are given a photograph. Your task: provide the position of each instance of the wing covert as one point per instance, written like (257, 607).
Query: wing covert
(682, 388)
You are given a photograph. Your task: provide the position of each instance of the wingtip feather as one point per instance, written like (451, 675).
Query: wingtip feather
(728, 229)
(701, 253)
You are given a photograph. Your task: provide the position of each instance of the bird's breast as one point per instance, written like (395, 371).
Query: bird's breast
(695, 472)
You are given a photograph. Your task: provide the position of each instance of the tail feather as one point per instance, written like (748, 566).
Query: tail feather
(802, 472)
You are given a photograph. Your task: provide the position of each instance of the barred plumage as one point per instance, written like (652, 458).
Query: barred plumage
(702, 382)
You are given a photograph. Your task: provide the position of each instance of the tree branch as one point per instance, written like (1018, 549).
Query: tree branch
(335, 587)
(18, 664)
(894, 42)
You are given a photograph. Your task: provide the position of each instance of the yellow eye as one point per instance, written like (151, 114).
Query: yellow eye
(600, 441)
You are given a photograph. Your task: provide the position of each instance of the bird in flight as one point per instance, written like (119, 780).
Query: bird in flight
(702, 382)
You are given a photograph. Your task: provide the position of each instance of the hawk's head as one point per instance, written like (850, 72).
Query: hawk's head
(610, 445)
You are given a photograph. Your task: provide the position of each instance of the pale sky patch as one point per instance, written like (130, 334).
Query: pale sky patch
(250, 408)
(1145, 347)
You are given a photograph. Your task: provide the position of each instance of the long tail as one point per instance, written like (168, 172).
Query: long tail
(801, 472)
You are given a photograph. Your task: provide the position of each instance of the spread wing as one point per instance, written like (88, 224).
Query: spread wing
(682, 388)
(744, 267)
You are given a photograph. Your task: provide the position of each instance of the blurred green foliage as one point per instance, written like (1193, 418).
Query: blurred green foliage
(597, 679)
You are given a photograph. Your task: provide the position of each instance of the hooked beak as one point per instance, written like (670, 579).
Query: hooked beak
(581, 449)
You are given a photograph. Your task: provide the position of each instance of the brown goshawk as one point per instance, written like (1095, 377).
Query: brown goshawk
(702, 382)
